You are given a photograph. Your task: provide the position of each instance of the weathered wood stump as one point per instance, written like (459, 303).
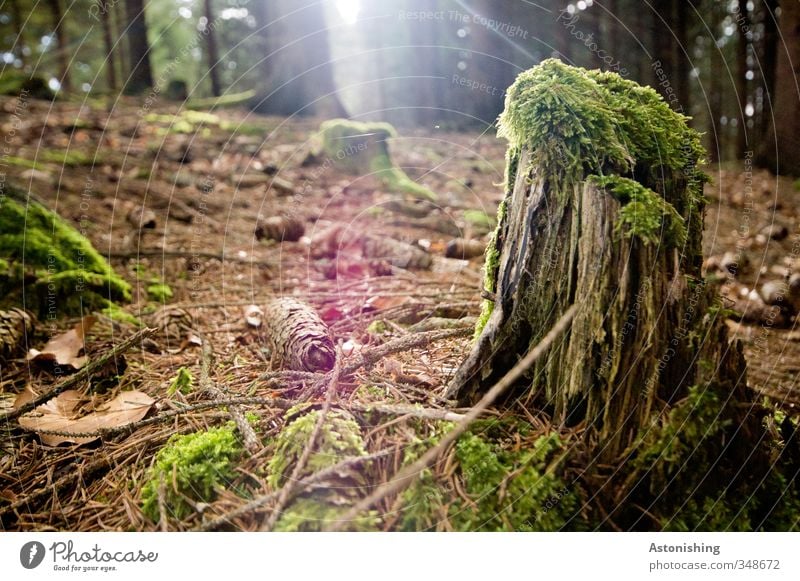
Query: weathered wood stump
(604, 208)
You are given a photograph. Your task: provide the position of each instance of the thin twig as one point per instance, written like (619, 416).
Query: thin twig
(288, 489)
(406, 475)
(249, 438)
(81, 375)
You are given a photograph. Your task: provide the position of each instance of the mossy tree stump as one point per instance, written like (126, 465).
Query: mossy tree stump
(603, 208)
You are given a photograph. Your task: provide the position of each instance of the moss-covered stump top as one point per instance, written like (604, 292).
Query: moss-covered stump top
(362, 148)
(62, 272)
(576, 123)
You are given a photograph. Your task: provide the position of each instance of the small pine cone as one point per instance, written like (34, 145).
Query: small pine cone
(280, 228)
(173, 323)
(15, 325)
(396, 253)
(299, 339)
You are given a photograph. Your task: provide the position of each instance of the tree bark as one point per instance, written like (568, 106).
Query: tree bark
(742, 93)
(632, 348)
(211, 48)
(62, 47)
(782, 145)
(298, 70)
(16, 18)
(140, 77)
(108, 41)
(715, 89)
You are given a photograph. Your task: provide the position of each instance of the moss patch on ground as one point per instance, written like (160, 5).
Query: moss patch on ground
(191, 468)
(518, 490)
(362, 149)
(62, 272)
(339, 438)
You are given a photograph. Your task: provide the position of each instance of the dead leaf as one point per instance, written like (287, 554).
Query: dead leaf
(380, 303)
(253, 315)
(64, 352)
(27, 395)
(60, 414)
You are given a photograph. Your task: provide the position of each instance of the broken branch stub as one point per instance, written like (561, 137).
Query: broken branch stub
(297, 336)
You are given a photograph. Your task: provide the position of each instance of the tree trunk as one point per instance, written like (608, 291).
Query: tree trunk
(108, 41)
(683, 53)
(565, 237)
(782, 145)
(742, 93)
(140, 77)
(19, 43)
(61, 42)
(211, 48)
(298, 69)
(768, 56)
(119, 19)
(715, 89)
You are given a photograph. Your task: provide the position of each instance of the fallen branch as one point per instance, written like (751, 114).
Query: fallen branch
(406, 475)
(287, 491)
(249, 437)
(81, 375)
(260, 501)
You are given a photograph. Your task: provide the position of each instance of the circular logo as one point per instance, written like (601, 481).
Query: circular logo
(31, 554)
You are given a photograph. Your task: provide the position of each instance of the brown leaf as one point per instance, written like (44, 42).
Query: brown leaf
(64, 352)
(60, 414)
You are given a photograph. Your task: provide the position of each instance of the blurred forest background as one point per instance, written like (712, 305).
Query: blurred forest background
(431, 63)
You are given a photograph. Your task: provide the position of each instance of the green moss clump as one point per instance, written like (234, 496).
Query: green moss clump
(311, 515)
(479, 218)
(362, 148)
(182, 382)
(697, 473)
(508, 490)
(192, 468)
(69, 275)
(644, 213)
(73, 158)
(159, 291)
(377, 327)
(339, 438)
(490, 268)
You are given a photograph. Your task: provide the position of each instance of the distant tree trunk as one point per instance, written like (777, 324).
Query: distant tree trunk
(61, 42)
(118, 19)
(560, 241)
(211, 47)
(782, 146)
(108, 41)
(768, 56)
(16, 18)
(742, 93)
(683, 54)
(714, 86)
(299, 73)
(662, 43)
(612, 32)
(140, 77)
(426, 53)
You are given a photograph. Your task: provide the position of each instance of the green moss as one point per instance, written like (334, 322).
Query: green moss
(182, 382)
(698, 483)
(490, 268)
(644, 213)
(576, 123)
(21, 162)
(508, 490)
(479, 218)
(159, 291)
(192, 468)
(377, 327)
(362, 148)
(311, 515)
(70, 158)
(116, 313)
(339, 438)
(69, 275)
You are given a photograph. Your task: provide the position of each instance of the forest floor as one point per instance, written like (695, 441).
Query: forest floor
(209, 181)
